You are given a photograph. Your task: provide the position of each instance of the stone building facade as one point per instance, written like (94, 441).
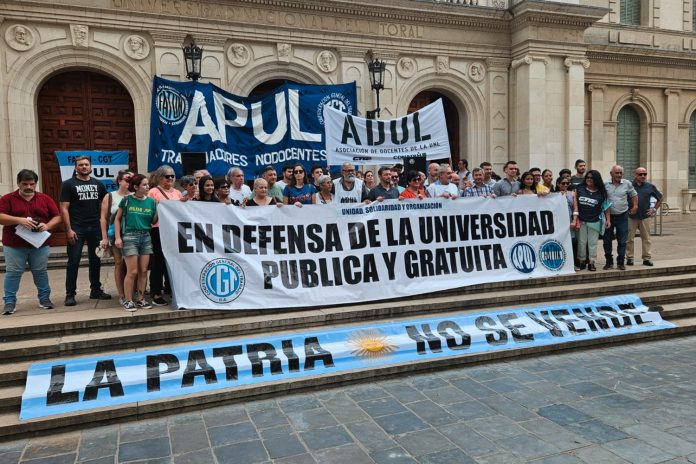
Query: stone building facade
(544, 83)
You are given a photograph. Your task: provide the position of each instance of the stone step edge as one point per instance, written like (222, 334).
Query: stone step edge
(80, 348)
(142, 318)
(13, 373)
(11, 428)
(86, 342)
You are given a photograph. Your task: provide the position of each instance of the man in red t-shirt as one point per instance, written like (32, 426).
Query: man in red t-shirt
(37, 212)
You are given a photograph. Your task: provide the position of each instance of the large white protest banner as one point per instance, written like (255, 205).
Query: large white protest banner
(223, 257)
(376, 141)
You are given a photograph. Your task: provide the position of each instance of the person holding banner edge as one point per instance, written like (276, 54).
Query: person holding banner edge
(80, 208)
(164, 190)
(299, 192)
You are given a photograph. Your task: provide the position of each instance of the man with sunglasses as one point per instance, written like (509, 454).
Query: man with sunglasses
(639, 220)
(619, 190)
(80, 205)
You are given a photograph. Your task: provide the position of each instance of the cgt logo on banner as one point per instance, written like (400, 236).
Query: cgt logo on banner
(105, 165)
(368, 141)
(285, 126)
(260, 258)
(61, 387)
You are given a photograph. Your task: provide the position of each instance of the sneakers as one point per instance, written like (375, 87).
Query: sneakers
(629, 261)
(70, 300)
(121, 300)
(647, 262)
(159, 301)
(46, 304)
(142, 304)
(608, 266)
(129, 306)
(621, 267)
(9, 309)
(101, 295)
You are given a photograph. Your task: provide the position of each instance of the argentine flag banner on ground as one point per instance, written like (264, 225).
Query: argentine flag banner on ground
(60, 387)
(284, 126)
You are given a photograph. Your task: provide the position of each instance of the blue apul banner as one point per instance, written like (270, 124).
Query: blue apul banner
(105, 165)
(60, 387)
(285, 126)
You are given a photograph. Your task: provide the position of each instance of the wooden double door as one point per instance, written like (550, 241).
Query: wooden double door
(81, 110)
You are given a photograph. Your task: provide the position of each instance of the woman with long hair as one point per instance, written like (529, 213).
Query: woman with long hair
(324, 195)
(109, 208)
(299, 192)
(562, 186)
(162, 190)
(206, 190)
(528, 185)
(591, 205)
(134, 219)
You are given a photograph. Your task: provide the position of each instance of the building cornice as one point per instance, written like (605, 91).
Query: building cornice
(150, 14)
(629, 55)
(537, 12)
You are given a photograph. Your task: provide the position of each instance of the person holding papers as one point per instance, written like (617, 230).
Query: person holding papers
(32, 214)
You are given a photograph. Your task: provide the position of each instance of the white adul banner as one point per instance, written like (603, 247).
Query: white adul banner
(224, 257)
(376, 141)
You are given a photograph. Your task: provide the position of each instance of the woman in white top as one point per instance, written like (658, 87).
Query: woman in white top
(324, 195)
(109, 207)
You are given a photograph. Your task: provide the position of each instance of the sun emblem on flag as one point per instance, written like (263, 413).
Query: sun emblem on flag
(370, 345)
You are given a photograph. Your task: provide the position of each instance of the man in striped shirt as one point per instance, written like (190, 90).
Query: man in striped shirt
(479, 189)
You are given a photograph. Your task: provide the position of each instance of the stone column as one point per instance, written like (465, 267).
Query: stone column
(575, 107)
(596, 149)
(497, 150)
(673, 162)
(530, 132)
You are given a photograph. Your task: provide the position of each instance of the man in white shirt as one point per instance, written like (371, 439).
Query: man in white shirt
(432, 174)
(239, 191)
(348, 188)
(443, 187)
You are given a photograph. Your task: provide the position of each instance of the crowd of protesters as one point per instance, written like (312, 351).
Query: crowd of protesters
(124, 222)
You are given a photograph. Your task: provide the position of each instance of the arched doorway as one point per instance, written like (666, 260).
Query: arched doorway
(451, 117)
(81, 110)
(268, 87)
(628, 140)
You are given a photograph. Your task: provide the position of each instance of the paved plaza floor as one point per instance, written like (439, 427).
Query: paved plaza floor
(621, 404)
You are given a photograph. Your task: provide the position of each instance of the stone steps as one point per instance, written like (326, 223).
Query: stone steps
(125, 335)
(35, 338)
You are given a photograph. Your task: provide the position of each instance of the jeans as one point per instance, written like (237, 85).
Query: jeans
(618, 229)
(91, 236)
(16, 259)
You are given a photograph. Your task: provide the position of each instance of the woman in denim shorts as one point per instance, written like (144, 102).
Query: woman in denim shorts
(133, 222)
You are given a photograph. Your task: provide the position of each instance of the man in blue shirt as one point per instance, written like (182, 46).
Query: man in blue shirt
(646, 192)
(619, 191)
